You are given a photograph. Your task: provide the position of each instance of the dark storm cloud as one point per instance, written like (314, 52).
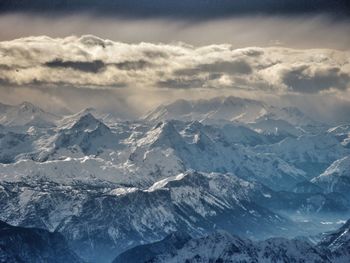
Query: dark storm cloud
(97, 65)
(188, 8)
(230, 67)
(305, 79)
(216, 68)
(85, 66)
(133, 65)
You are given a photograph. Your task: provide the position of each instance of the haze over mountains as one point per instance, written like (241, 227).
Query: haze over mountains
(227, 163)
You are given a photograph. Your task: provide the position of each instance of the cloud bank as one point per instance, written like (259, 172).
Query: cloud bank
(92, 62)
(145, 74)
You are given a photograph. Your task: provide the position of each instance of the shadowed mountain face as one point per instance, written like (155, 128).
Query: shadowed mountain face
(19, 245)
(223, 247)
(146, 253)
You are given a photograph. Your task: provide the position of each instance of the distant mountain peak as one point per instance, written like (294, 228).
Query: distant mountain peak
(26, 114)
(28, 106)
(226, 109)
(88, 121)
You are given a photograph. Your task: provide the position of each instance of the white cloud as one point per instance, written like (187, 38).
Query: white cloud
(92, 62)
(159, 72)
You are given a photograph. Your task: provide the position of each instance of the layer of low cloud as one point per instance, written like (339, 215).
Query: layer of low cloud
(92, 62)
(81, 71)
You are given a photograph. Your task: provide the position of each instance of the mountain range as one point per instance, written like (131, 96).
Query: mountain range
(221, 246)
(228, 169)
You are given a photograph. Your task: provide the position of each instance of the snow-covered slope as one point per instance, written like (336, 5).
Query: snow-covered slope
(164, 152)
(14, 145)
(220, 108)
(312, 152)
(86, 170)
(99, 220)
(147, 154)
(291, 115)
(31, 245)
(89, 134)
(109, 219)
(339, 243)
(336, 178)
(68, 121)
(78, 138)
(108, 185)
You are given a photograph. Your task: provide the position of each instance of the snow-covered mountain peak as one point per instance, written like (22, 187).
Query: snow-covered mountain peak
(70, 120)
(88, 134)
(88, 122)
(227, 109)
(163, 134)
(119, 183)
(27, 114)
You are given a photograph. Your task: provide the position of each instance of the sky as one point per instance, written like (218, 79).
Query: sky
(173, 8)
(129, 56)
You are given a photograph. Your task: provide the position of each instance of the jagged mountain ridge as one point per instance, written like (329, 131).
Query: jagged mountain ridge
(207, 153)
(194, 146)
